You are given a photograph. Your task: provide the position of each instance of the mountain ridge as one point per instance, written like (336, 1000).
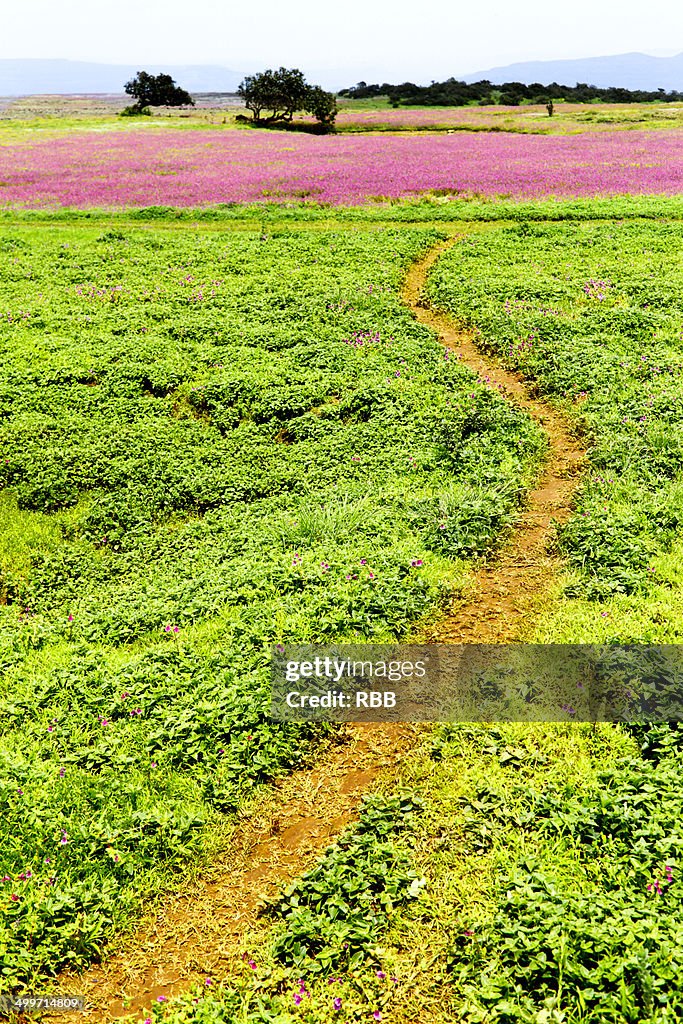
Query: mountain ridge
(625, 70)
(35, 76)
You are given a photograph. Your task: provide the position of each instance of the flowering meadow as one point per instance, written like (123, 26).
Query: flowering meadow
(215, 440)
(156, 166)
(568, 117)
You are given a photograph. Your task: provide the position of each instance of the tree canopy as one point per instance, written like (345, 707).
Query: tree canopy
(454, 93)
(157, 91)
(278, 94)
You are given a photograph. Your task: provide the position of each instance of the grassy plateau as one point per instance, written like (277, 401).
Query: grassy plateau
(221, 430)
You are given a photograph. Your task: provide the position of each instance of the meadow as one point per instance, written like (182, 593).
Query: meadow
(167, 518)
(221, 430)
(156, 166)
(593, 319)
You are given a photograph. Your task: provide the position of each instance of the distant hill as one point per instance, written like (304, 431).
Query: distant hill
(628, 70)
(29, 77)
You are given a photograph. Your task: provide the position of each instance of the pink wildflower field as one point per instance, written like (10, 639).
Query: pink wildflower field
(143, 167)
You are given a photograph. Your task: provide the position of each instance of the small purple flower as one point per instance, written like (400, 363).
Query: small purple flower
(337, 1004)
(416, 563)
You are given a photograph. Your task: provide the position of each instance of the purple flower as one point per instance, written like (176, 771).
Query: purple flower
(337, 1004)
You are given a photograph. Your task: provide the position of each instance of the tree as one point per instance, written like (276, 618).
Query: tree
(156, 91)
(280, 93)
(323, 105)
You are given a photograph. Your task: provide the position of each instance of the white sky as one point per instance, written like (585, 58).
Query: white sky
(372, 39)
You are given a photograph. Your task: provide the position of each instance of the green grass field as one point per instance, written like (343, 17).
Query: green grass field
(223, 431)
(217, 443)
(593, 317)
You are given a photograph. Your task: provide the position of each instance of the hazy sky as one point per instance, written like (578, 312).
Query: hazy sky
(422, 39)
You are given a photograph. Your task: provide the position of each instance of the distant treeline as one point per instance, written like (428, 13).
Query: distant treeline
(458, 94)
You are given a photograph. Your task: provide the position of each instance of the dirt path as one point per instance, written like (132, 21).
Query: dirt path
(505, 594)
(200, 931)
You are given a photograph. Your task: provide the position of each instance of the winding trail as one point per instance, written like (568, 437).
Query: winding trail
(506, 593)
(204, 928)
